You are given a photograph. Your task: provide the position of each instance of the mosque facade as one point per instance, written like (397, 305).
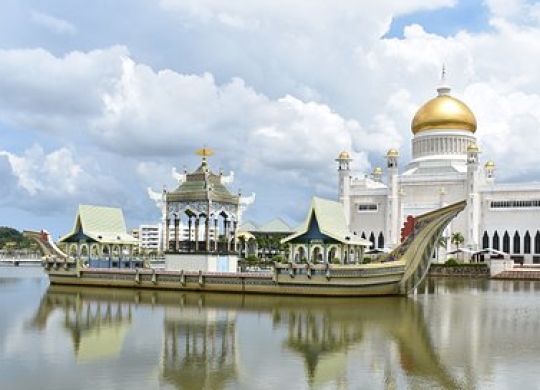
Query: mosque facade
(446, 167)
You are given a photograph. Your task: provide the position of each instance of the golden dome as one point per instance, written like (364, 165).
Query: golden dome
(392, 153)
(444, 112)
(344, 155)
(377, 170)
(473, 148)
(490, 165)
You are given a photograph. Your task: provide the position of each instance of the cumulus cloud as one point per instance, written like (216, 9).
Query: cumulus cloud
(46, 183)
(284, 88)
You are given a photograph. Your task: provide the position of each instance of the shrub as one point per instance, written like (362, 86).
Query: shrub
(278, 258)
(252, 259)
(335, 260)
(451, 262)
(366, 260)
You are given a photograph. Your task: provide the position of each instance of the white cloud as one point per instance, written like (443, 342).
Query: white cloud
(57, 25)
(46, 183)
(304, 81)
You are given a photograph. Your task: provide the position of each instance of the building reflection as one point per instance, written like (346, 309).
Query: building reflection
(326, 332)
(199, 345)
(97, 327)
(447, 339)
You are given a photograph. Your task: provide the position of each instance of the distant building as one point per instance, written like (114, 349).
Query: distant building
(263, 241)
(152, 235)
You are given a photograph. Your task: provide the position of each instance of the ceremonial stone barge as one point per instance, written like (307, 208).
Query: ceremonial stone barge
(397, 273)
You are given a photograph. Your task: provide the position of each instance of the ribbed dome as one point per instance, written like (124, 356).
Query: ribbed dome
(444, 112)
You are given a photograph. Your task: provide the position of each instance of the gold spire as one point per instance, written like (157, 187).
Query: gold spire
(204, 152)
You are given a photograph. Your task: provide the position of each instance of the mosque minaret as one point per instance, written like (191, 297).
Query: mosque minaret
(445, 168)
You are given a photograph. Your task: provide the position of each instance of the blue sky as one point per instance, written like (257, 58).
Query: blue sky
(100, 100)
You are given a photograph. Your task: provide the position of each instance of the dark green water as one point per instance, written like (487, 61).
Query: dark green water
(455, 334)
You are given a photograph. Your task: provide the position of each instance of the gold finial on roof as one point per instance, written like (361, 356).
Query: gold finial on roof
(204, 152)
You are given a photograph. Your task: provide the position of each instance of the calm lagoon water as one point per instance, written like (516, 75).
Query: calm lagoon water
(453, 334)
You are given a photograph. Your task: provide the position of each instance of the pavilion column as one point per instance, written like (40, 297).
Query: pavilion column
(109, 249)
(233, 233)
(216, 235)
(325, 259)
(196, 234)
(167, 227)
(189, 234)
(226, 233)
(177, 233)
(292, 252)
(207, 233)
(308, 252)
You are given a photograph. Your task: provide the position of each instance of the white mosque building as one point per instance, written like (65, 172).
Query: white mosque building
(445, 168)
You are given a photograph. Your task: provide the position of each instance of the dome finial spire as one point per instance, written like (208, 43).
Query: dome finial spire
(443, 74)
(443, 89)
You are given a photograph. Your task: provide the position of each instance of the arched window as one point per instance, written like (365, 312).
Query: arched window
(380, 241)
(485, 241)
(506, 242)
(527, 243)
(537, 242)
(372, 239)
(517, 242)
(332, 255)
(496, 241)
(363, 235)
(301, 253)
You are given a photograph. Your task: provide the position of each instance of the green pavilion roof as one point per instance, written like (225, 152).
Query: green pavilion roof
(101, 224)
(276, 225)
(330, 217)
(195, 188)
(248, 226)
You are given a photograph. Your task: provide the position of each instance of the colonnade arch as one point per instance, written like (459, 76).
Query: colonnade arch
(204, 231)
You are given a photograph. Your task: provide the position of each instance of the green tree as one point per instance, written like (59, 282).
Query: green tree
(10, 235)
(457, 239)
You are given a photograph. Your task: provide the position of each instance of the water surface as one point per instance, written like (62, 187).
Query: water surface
(453, 334)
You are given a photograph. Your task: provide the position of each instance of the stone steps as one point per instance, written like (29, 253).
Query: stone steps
(518, 275)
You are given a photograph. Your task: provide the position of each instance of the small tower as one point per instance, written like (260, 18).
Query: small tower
(377, 174)
(344, 181)
(473, 200)
(489, 170)
(344, 171)
(393, 215)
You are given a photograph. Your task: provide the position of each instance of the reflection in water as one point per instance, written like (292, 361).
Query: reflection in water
(199, 345)
(200, 348)
(97, 326)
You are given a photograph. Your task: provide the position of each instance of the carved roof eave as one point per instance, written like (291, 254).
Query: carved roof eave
(193, 197)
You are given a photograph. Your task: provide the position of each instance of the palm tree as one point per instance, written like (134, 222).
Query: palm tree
(441, 243)
(457, 239)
